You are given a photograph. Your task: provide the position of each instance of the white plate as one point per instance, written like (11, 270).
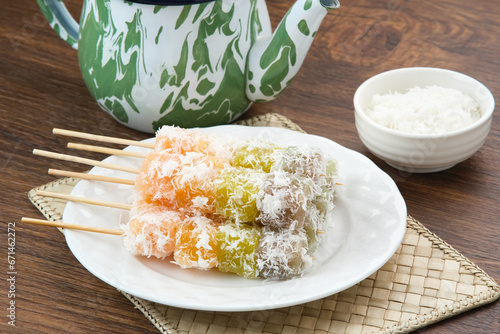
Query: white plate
(370, 221)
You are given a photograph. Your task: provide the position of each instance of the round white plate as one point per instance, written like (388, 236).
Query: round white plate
(369, 218)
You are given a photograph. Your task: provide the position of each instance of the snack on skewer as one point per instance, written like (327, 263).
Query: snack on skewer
(151, 230)
(171, 139)
(237, 249)
(305, 161)
(251, 208)
(283, 200)
(184, 181)
(195, 243)
(282, 253)
(248, 207)
(256, 154)
(236, 191)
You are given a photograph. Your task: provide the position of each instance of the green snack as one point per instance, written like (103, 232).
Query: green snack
(256, 154)
(311, 227)
(331, 168)
(324, 201)
(236, 191)
(237, 249)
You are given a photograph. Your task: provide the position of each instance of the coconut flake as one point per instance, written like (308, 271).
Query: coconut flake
(428, 110)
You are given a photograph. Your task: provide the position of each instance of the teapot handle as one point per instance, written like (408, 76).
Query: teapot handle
(60, 20)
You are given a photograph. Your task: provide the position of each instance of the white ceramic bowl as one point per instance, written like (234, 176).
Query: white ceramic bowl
(415, 152)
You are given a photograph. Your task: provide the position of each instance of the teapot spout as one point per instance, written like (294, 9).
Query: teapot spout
(274, 60)
(330, 4)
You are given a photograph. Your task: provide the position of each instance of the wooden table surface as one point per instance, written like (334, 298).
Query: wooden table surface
(41, 88)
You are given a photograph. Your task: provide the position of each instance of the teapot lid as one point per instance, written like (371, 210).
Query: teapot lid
(170, 2)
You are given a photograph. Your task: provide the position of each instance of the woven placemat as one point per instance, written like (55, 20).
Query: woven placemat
(425, 281)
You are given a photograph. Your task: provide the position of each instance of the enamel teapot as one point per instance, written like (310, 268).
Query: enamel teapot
(191, 63)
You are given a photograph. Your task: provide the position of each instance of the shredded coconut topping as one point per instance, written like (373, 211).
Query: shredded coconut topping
(151, 231)
(428, 110)
(283, 201)
(249, 207)
(283, 254)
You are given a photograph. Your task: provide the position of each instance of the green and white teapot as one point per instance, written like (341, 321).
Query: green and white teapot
(191, 63)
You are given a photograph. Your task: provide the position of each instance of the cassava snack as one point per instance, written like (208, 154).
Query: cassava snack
(248, 207)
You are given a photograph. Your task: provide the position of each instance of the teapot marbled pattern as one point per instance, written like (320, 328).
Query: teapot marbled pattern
(191, 65)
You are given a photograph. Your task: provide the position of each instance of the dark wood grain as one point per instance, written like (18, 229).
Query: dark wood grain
(41, 88)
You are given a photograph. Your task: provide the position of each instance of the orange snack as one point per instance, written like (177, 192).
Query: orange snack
(185, 182)
(195, 243)
(151, 231)
(176, 140)
(171, 139)
(155, 178)
(194, 186)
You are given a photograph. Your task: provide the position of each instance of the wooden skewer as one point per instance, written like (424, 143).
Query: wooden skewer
(78, 199)
(92, 177)
(106, 150)
(105, 139)
(85, 161)
(72, 226)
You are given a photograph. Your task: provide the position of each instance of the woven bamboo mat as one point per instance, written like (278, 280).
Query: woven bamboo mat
(425, 281)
